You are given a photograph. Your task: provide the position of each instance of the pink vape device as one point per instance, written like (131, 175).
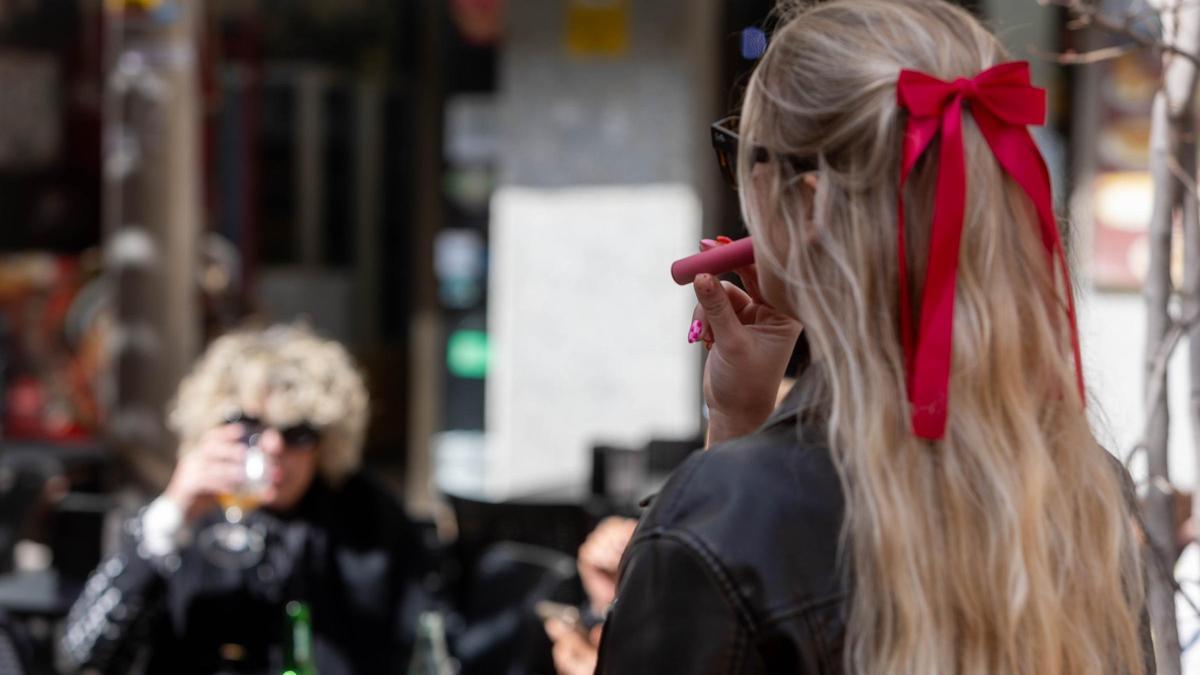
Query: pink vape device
(716, 260)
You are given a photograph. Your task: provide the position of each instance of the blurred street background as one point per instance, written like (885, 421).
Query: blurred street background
(480, 198)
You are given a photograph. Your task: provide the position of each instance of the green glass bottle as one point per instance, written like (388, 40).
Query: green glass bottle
(430, 655)
(298, 641)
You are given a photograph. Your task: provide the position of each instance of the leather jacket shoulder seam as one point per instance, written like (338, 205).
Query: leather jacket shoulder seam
(818, 638)
(802, 609)
(712, 563)
(739, 652)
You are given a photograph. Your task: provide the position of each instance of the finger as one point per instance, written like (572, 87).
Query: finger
(568, 660)
(719, 314)
(218, 466)
(226, 432)
(555, 629)
(695, 329)
(698, 322)
(592, 546)
(610, 523)
(700, 329)
(606, 561)
(617, 545)
(616, 526)
(613, 541)
(224, 472)
(562, 658)
(225, 451)
(738, 298)
(749, 277)
(614, 551)
(221, 481)
(628, 525)
(574, 644)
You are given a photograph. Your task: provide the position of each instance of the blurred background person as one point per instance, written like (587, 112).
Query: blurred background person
(599, 558)
(271, 419)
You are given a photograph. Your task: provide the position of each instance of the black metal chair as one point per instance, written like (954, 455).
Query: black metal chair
(499, 632)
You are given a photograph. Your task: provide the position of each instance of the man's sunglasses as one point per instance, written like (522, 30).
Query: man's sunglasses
(725, 142)
(296, 436)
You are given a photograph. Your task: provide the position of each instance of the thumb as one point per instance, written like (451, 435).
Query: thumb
(555, 629)
(718, 311)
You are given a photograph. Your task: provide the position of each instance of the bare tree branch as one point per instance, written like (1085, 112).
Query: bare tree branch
(1162, 357)
(1072, 58)
(1186, 180)
(1086, 14)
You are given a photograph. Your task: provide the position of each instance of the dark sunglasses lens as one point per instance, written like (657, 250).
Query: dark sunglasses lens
(300, 435)
(239, 417)
(728, 163)
(725, 142)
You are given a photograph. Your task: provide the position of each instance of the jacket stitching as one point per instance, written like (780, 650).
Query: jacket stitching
(720, 574)
(804, 608)
(739, 656)
(818, 638)
(748, 627)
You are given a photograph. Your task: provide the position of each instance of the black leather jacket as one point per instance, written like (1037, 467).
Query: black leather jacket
(734, 568)
(351, 552)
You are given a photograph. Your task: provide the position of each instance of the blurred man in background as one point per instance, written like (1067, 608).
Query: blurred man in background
(574, 652)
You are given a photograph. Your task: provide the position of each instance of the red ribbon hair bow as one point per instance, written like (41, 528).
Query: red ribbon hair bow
(1003, 102)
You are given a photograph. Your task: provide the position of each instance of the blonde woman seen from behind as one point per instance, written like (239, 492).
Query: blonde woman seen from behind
(929, 498)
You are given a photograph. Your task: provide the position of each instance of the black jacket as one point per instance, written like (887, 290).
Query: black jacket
(351, 553)
(734, 569)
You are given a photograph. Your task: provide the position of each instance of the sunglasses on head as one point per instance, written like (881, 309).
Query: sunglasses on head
(300, 435)
(725, 142)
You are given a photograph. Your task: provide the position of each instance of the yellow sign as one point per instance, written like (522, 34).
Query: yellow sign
(144, 5)
(597, 27)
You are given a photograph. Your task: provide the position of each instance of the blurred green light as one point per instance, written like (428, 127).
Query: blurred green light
(467, 354)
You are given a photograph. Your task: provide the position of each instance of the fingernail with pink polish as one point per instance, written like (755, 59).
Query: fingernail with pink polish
(695, 331)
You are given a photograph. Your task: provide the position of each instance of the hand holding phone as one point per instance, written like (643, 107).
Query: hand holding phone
(566, 614)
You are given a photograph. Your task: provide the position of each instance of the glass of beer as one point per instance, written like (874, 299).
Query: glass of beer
(231, 543)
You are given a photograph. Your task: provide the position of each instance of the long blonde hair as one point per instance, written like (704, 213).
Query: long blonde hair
(1007, 546)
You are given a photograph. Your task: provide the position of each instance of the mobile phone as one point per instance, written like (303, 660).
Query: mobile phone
(567, 614)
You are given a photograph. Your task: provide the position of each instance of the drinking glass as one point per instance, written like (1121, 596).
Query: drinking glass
(231, 543)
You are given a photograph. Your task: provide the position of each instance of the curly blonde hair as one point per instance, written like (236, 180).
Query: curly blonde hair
(284, 374)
